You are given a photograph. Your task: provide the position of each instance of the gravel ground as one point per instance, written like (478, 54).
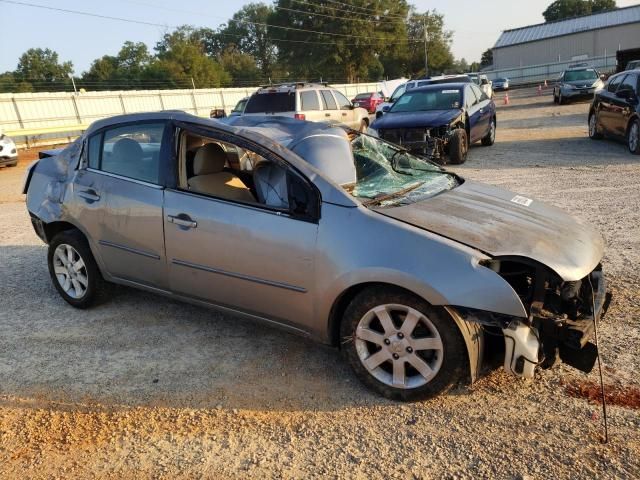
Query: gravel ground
(149, 388)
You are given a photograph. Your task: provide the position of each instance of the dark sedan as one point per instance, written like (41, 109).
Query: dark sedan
(615, 110)
(440, 119)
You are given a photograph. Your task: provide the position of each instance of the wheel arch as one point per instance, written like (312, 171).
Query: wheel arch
(54, 228)
(634, 117)
(471, 332)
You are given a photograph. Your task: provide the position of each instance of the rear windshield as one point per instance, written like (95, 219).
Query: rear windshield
(436, 99)
(362, 96)
(576, 75)
(271, 102)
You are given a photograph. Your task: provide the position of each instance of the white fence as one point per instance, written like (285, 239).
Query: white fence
(37, 117)
(549, 71)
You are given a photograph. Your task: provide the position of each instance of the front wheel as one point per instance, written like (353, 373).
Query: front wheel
(14, 164)
(594, 134)
(363, 126)
(633, 137)
(490, 138)
(458, 146)
(73, 269)
(402, 347)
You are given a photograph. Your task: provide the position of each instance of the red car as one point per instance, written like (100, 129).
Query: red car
(368, 100)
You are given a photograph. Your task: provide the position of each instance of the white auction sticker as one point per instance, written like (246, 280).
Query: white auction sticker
(520, 200)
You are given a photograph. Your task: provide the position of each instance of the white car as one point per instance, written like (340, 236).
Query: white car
(8, 151)
(483, 82)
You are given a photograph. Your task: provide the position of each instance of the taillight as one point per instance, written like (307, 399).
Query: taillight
(299, 116)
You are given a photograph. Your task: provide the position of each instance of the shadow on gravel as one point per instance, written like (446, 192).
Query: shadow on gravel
(141, 349)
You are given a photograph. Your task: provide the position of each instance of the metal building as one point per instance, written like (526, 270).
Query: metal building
(580, 38)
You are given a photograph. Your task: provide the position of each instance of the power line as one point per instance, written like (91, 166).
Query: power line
(351, 12)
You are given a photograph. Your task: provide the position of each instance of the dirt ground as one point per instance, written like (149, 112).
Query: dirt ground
(144, 387)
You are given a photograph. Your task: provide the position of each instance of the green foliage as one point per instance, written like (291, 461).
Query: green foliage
(487, 58)
(562, 9)
(37, 69)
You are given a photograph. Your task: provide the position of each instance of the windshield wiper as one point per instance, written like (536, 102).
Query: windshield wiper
(389, 196)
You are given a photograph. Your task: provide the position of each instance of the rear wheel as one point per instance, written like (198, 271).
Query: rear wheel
(458, 146)
(490, 138)
(402, 347)
(363, 126)
(633, 137)
(594, 134)
(73, 269)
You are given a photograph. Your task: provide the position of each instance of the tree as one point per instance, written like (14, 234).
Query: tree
(487, 58)
(247, 33)
(562, 9)
(439, 54)
(242, 67)
(41, 68)
(125, 70)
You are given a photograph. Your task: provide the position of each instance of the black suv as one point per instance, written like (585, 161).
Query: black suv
(615, 110)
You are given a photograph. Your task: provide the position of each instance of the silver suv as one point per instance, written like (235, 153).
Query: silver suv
(313, 102)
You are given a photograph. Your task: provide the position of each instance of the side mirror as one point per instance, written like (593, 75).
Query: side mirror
(386, 108)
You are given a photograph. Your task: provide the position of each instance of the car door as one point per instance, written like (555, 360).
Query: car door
(472, 105)
(623, 104)
(253, 257)
(329, 106)
(348, 114)
(484, 109)
(119, 190)
(606, 115)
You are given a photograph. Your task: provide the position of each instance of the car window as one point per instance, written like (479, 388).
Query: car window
(398, 92)
(132, 151)
(628, 83)
(233, 172)
(470, 98)
(578, 75)
(271, 102)
(309, 101)
(343, 102)
(614, 82)
(480, 95)
(327, 100)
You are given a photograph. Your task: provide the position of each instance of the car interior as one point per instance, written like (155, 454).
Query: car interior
(219, 169)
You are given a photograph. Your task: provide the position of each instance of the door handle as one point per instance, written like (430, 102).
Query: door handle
(182, 220)
(90, 195)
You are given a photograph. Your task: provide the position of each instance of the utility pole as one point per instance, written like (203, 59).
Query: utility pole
(75, 91)
(426, 38)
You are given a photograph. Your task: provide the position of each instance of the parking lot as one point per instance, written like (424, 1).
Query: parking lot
(147, 386)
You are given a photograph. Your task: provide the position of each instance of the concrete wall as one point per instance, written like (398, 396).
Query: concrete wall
(593, 43)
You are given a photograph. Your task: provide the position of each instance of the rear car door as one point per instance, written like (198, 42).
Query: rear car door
(310, 106)
(120, 192)
(623, 104)
(253, 255)
(329, 106)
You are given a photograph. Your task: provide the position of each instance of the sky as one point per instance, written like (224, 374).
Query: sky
(476, 24)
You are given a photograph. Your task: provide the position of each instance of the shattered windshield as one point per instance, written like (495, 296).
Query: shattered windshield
(387, 175)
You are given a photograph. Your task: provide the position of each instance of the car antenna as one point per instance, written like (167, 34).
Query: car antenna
(602, 394)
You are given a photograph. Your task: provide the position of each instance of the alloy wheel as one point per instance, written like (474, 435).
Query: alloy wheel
(492, 130)
(592, 125)
(399, 346)
(70, 271)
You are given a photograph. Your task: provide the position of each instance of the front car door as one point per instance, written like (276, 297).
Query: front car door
(623, 104)
(472, 104)
(485, 111)
(247, 248)
(119, 187)
(606, 117)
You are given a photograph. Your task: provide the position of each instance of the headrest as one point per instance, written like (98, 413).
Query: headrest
(194, 142)
(127, 149)
(209, 159)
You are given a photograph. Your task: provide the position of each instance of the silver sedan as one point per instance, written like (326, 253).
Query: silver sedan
(325, 232)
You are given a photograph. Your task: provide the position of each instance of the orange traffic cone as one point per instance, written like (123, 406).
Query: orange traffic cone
(539, 89)
(506, 98)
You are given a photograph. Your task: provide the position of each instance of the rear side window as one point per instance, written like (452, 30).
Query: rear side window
(131, 151)
(629, 83)
(309, 100)
(614, 82)
(271, 102)
(327, 100)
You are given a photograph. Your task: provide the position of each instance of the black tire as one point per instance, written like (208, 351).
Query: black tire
(634, 126)
(490, 138)
(364, 124)
(455, 362)
(95, 284)
(14, 164)
(561, 100)
(555, 98)
(594, 134)
(458, 146)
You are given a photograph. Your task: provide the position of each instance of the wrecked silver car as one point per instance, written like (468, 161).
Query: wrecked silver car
(325, 232)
